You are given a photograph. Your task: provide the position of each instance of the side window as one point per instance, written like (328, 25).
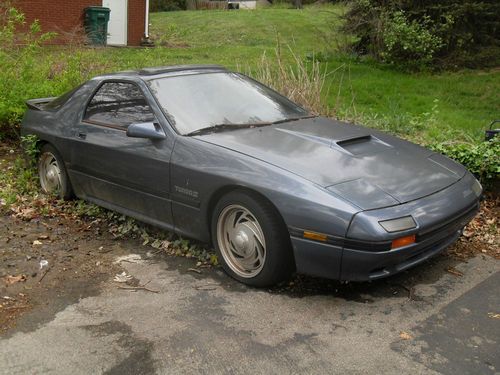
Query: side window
(119, 104)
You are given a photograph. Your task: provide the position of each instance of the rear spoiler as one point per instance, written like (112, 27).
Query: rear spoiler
(37, 104)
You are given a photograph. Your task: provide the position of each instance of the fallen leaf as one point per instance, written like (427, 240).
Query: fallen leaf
(468, 233)
(405, 335)
(37, 243)
(9, 280)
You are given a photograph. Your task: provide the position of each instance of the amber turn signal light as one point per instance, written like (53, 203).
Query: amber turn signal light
(403, 241)
(315, 236)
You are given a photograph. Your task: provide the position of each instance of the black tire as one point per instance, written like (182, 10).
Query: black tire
(50, 156)
(278, 263)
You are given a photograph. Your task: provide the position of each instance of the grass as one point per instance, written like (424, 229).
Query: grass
(461, 104)
(431, 106)
(465, 101)
(249, 29)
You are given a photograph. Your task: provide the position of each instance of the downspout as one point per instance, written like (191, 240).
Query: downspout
(146, 23)
(145, 39)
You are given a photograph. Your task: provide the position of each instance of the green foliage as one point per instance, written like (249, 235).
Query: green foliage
(20, 66)
(17, 180)
(418, 34)
(482, 159)
(30, 145)
(408, 43)
(361, 88)
(167, 5)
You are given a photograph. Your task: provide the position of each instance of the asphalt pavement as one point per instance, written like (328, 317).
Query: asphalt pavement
(424, 321)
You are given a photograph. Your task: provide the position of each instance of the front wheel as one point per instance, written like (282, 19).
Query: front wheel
(53, 177)
(251, 240)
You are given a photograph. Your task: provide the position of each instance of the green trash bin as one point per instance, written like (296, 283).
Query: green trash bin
(96, 25)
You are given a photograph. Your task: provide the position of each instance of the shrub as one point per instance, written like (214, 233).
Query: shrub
(167, 5)
(447, 33)
(408, 43)
(19, 64)
(481, 159)
(28, 71)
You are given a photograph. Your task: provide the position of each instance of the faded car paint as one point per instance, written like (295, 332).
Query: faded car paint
(320, 175)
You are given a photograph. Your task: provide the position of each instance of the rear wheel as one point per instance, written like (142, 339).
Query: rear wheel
(53, 177)
(251, 240)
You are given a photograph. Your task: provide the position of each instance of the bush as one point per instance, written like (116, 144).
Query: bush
(481, 159)
(167, 5)
(19, 64)
(408, 43)
(28, 71)
(418, 34)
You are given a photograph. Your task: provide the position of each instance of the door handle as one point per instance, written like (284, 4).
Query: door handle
(82, 135)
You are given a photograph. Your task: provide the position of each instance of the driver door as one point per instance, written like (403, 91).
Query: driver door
(130, 175)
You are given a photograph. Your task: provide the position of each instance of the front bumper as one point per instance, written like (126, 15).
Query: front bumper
(333, 262)
(438, 228)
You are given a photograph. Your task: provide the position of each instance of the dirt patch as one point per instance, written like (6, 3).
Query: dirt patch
(48, 258)
(482, 234)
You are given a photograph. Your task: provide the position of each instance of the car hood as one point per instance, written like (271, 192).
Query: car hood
(366, 167)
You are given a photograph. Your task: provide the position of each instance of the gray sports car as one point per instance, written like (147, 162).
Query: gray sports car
(214, 155)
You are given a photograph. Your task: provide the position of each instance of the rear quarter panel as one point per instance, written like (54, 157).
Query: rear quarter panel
(56, 127)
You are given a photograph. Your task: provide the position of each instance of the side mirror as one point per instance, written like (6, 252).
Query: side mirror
(148, 130)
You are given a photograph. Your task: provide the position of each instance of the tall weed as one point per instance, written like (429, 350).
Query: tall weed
(304, 83)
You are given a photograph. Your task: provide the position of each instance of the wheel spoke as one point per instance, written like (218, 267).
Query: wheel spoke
(256, 232)
(241, 241)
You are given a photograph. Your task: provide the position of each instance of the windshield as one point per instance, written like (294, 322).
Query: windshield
(199, 101)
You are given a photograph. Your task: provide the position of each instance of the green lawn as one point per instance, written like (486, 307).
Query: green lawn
(466, 101)
(426, 105)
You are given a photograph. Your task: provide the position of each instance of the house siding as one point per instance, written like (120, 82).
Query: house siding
(66, 18)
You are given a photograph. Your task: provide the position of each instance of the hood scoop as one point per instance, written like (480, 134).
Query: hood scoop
(361, 145)
(357, 145)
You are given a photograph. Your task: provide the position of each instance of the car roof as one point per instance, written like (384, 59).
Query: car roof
(164, 71)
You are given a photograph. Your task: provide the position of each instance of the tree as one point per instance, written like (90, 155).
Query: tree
(426, 32)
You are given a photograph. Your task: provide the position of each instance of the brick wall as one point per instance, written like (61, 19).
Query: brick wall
(66, 17)
(136, 20)
(63, 17)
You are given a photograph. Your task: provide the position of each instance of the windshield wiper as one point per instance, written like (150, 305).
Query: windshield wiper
(215, 128)
(293, 119)
(218, 127)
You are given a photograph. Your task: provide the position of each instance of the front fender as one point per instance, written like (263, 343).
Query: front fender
(200, 169)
